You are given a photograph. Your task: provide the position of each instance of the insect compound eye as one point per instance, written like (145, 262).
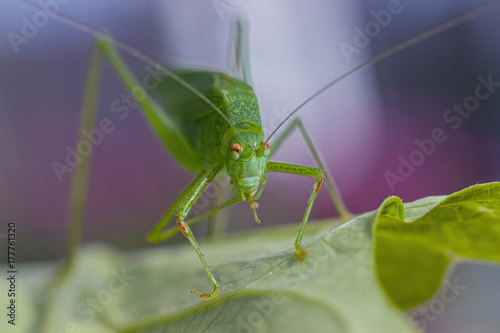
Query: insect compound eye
(267, 149)
(236, 149)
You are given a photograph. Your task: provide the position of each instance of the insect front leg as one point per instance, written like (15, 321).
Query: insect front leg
(181, 208)
(301, 170)
(330, 183)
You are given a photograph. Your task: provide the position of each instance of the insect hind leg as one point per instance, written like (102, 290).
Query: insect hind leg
(238, 64)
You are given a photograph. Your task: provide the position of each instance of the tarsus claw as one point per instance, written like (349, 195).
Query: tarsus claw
(206, 296)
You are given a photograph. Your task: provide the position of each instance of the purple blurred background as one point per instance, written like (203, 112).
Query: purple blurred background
(361, 126)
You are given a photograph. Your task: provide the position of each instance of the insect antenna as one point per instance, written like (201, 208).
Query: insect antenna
(98, 34)
(451, 23)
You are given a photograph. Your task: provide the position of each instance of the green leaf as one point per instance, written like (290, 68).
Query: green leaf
(415, 243)
(265, 287)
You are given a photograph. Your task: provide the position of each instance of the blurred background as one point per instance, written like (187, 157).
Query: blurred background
(363, 126)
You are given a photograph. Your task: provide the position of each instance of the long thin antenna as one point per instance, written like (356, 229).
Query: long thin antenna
(395, 49)
(127, 49)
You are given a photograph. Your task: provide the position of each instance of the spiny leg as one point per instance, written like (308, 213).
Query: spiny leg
(159, 233)
(330, 183)
(182, 212)
(301, 170)
(181, 207)
(175, 230)
(186, 231)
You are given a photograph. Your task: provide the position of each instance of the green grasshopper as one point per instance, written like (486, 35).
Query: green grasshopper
(212, 128)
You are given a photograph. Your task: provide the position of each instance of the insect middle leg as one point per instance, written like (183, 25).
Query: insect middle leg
(301, 170)
(320, 174)
(330, 183)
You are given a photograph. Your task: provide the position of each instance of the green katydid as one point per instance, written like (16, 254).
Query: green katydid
(213, 127)
(225, 140)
